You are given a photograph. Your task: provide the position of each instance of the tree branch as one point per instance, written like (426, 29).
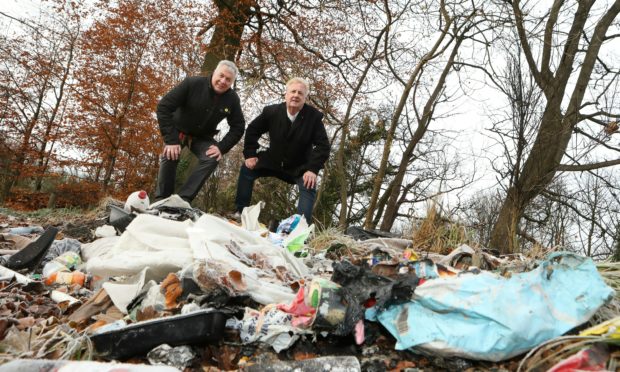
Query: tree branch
(587, 167)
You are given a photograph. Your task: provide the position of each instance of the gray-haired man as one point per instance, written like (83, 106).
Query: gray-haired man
(188, 115)
(298, 147)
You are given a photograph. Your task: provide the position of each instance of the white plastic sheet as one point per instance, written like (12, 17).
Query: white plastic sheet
(166, 246)
(148, 241)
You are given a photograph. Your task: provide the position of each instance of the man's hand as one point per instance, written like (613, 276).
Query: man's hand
(214, 152)
(171, 152)
(310, 180)
(250, 163)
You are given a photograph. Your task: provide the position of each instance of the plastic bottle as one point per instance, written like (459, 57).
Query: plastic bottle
(65, 262)
(138, 200)
(64, 277)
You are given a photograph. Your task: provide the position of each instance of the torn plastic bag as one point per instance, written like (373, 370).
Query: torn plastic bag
(286, 226)
(138, 338)
(249, 264)
(593, 358)
(173, 201)
(124, 291)
(59, 247)
(296, 239)
(180, 357)
(371, 289)
(249, 217)
(448, 316)
(337, 310)
(174, 208)
(464, 256)
(217, 233)
(271, 326)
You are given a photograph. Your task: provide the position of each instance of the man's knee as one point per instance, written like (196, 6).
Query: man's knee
(207, 163)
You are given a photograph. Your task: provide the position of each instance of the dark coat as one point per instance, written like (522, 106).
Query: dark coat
(193, 107)
(293, 147)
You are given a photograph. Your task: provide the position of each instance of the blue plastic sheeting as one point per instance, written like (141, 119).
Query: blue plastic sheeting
(489, 317)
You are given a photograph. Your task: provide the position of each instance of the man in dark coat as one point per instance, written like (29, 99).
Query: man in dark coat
(188, 115)
(298, 148)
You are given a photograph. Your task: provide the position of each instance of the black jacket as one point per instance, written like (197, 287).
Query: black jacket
(293, 147)
(192, 107)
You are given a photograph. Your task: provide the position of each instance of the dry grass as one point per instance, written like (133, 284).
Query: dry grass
(437, 234)
(54, 341)
(554, 351)
(330, 237)
(610, 271)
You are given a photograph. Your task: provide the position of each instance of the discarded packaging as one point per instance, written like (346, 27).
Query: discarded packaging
(65, 277)
(179, 357)
(448, 315)
(8, 274)
(29, 365)
(60, 247)
(65, 262)
(324, 364)
(135, 339)
(25, 230)
(59, 297)
(137, 201)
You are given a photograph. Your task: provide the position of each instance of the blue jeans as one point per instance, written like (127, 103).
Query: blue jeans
(245, 185)
(195, 181)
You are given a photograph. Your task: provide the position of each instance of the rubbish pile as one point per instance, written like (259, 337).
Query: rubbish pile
(167, 287)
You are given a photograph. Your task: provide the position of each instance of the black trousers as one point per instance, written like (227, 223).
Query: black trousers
(195, 181)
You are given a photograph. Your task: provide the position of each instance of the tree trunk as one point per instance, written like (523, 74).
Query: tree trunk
(341, 175)
(225, 42)
(504, 234)
(381, 203)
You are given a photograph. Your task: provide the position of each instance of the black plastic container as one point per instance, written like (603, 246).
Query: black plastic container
(119, 218)
(137, 339)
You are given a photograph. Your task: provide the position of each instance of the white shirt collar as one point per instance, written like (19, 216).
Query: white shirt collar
(292, 117)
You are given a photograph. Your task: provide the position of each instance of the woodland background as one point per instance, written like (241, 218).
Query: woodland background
(79, 83)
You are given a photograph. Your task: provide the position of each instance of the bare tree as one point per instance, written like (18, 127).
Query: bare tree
(561, 58)
(457, 22)
(38, 58)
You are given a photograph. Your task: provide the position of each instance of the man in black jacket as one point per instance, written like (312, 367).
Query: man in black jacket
(188, 115)
(298, 148)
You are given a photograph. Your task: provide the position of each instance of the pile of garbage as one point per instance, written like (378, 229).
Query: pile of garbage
(174, 288)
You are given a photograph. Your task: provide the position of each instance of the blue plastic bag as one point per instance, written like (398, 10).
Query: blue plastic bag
(489, 317)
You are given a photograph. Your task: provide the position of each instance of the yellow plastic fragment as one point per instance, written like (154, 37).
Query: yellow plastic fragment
(608, 329)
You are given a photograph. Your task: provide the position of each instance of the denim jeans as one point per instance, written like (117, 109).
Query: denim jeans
(245, 185)
(195, 181)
